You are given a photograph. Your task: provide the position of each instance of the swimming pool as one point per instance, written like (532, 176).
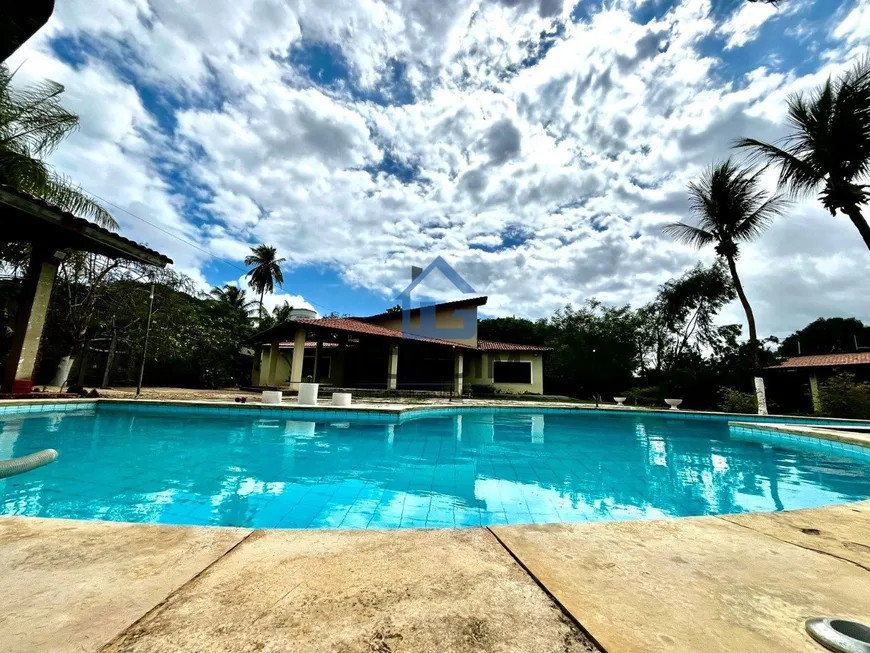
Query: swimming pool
(438, 468)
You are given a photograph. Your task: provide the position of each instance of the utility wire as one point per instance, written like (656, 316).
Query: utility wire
(169, 233)
(180, 239)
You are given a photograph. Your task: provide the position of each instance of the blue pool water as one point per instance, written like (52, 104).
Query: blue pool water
(226, 468)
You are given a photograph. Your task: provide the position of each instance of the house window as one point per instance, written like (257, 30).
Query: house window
(324, 367)
(512, 372)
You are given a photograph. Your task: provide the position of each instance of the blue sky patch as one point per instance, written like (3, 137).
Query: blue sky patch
(322, 63)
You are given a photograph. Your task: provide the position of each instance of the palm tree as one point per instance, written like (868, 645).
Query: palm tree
(32, 124)
(730, 208)
(282, 313)
(266, 271)
(234, 297)
(828, 147)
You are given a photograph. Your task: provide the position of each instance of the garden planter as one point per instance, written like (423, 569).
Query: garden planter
(308, 394)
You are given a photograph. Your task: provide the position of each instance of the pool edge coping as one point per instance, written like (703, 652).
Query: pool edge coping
(809, 431)
(393, 409)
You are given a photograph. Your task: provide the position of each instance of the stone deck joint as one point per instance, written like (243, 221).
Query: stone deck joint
(800, 546)
(562, 608)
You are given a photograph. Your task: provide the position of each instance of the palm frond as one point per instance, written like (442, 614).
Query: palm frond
(33, 122)
(759, 220)
(276, 271)
(829, 139)
(729, 206)
(689, 235)
(33, 116)
(267, 268)
(850, 124)
(61, 192)
(796, 176)
(22, 171)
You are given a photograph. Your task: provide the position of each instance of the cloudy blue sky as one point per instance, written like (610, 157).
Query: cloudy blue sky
(537, 145)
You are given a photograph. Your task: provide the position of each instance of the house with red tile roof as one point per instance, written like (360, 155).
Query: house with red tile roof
(396, 350)
(825, 365)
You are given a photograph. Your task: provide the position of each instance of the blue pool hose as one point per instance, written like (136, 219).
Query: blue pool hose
(27, 463)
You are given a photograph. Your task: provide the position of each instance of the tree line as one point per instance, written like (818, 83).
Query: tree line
(99, 312)
(672, 348)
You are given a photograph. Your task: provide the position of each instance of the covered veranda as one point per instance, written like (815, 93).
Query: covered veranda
(821, 367)
(361, 355)
(51, 233)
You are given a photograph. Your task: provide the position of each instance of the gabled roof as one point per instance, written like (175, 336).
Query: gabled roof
(825, 360)
(489, 345)
(471, 301)
(357, 326)
(348, 325)
(33, 218)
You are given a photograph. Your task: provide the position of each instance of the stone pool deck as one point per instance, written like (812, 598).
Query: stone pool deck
(713, 584)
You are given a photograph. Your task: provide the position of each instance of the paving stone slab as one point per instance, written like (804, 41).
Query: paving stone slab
(689, 585)
(374, 591)
(842, 531)
(71, 586)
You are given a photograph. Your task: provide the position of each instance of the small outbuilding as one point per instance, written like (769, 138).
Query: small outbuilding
(824, 366)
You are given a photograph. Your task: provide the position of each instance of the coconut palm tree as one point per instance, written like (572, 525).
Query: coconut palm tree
(32, 124)
(266, 271)
(234, 297)
(282, 313)
(730, 208)
(828, 147)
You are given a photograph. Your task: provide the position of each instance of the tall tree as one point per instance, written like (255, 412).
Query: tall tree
(234, 297)
(730, 208)
(680, 323)
(828, 147)
(81, 281)
(266, 271)
(33, 122)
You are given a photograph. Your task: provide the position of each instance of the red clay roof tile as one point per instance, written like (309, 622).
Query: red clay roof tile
(826, 360)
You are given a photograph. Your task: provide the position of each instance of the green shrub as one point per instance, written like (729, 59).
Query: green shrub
(482, 389)
(651, 396)
(844, 396)
(734, 401)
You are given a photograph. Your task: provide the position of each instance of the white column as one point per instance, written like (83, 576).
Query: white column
(761, 395)
(393, 367)
(484, 369)
(298, 355)
(33, 306)
(274, 355)
(457, 374)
